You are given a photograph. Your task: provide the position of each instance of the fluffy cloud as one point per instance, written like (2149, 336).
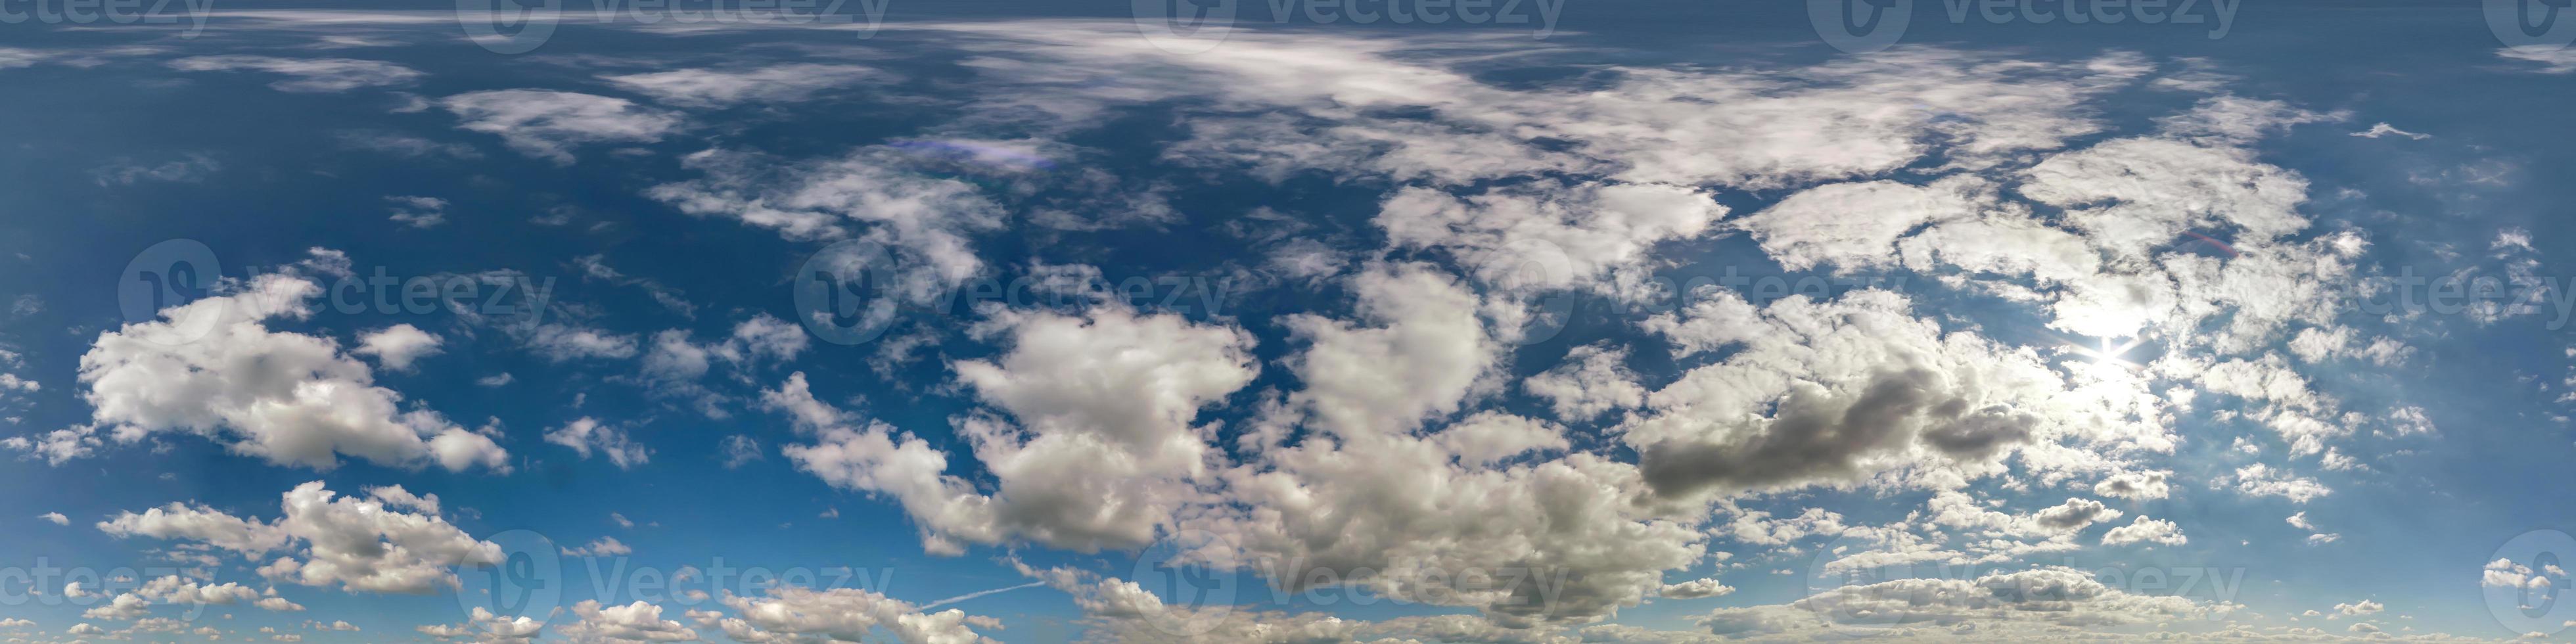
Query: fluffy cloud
(844, 614)
(397, 346)
(213, 368)
(636, 622)
(547, 124)
(484, 627)
(1838, 392)
(1592, 381)
(358, 544)
(1097, 449)
(2147, 530)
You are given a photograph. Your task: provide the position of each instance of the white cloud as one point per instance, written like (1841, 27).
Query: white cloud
(923, 220)
(847, 614)
(308, 75)
(419, 212)
(1992, 606)
(585, 435)
(56, 517)
(1592, 381)
(397, 346)
(636, 622)
(2145, 529)
(547, 124)
(2258, 479)
(2553, 59)
(600, 547)
(1098, 448)
(706, 88)
(2383, 129)
(212, 368)
(354, 543)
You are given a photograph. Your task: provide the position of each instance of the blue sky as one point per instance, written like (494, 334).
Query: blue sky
(1571, 322)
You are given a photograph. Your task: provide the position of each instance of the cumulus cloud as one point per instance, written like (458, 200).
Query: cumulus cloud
(785, 613)
(1098, 445)
(1592, 381)
(357, 544)
(397, 346)
(2146, 530)
(213, 368)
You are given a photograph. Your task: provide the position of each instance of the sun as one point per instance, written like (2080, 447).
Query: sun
(2107, 357)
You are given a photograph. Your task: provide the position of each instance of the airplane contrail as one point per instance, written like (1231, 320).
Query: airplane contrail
(976, 594)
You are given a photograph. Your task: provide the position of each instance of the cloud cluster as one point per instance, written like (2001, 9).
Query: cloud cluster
(355, 543)
(213, 368)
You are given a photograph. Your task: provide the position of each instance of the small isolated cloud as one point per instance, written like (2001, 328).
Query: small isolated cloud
(2384, 129)
(587, 435)
(56, 517)
(191, 169)
(601, 547)
(419, 212)
(397, 346)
